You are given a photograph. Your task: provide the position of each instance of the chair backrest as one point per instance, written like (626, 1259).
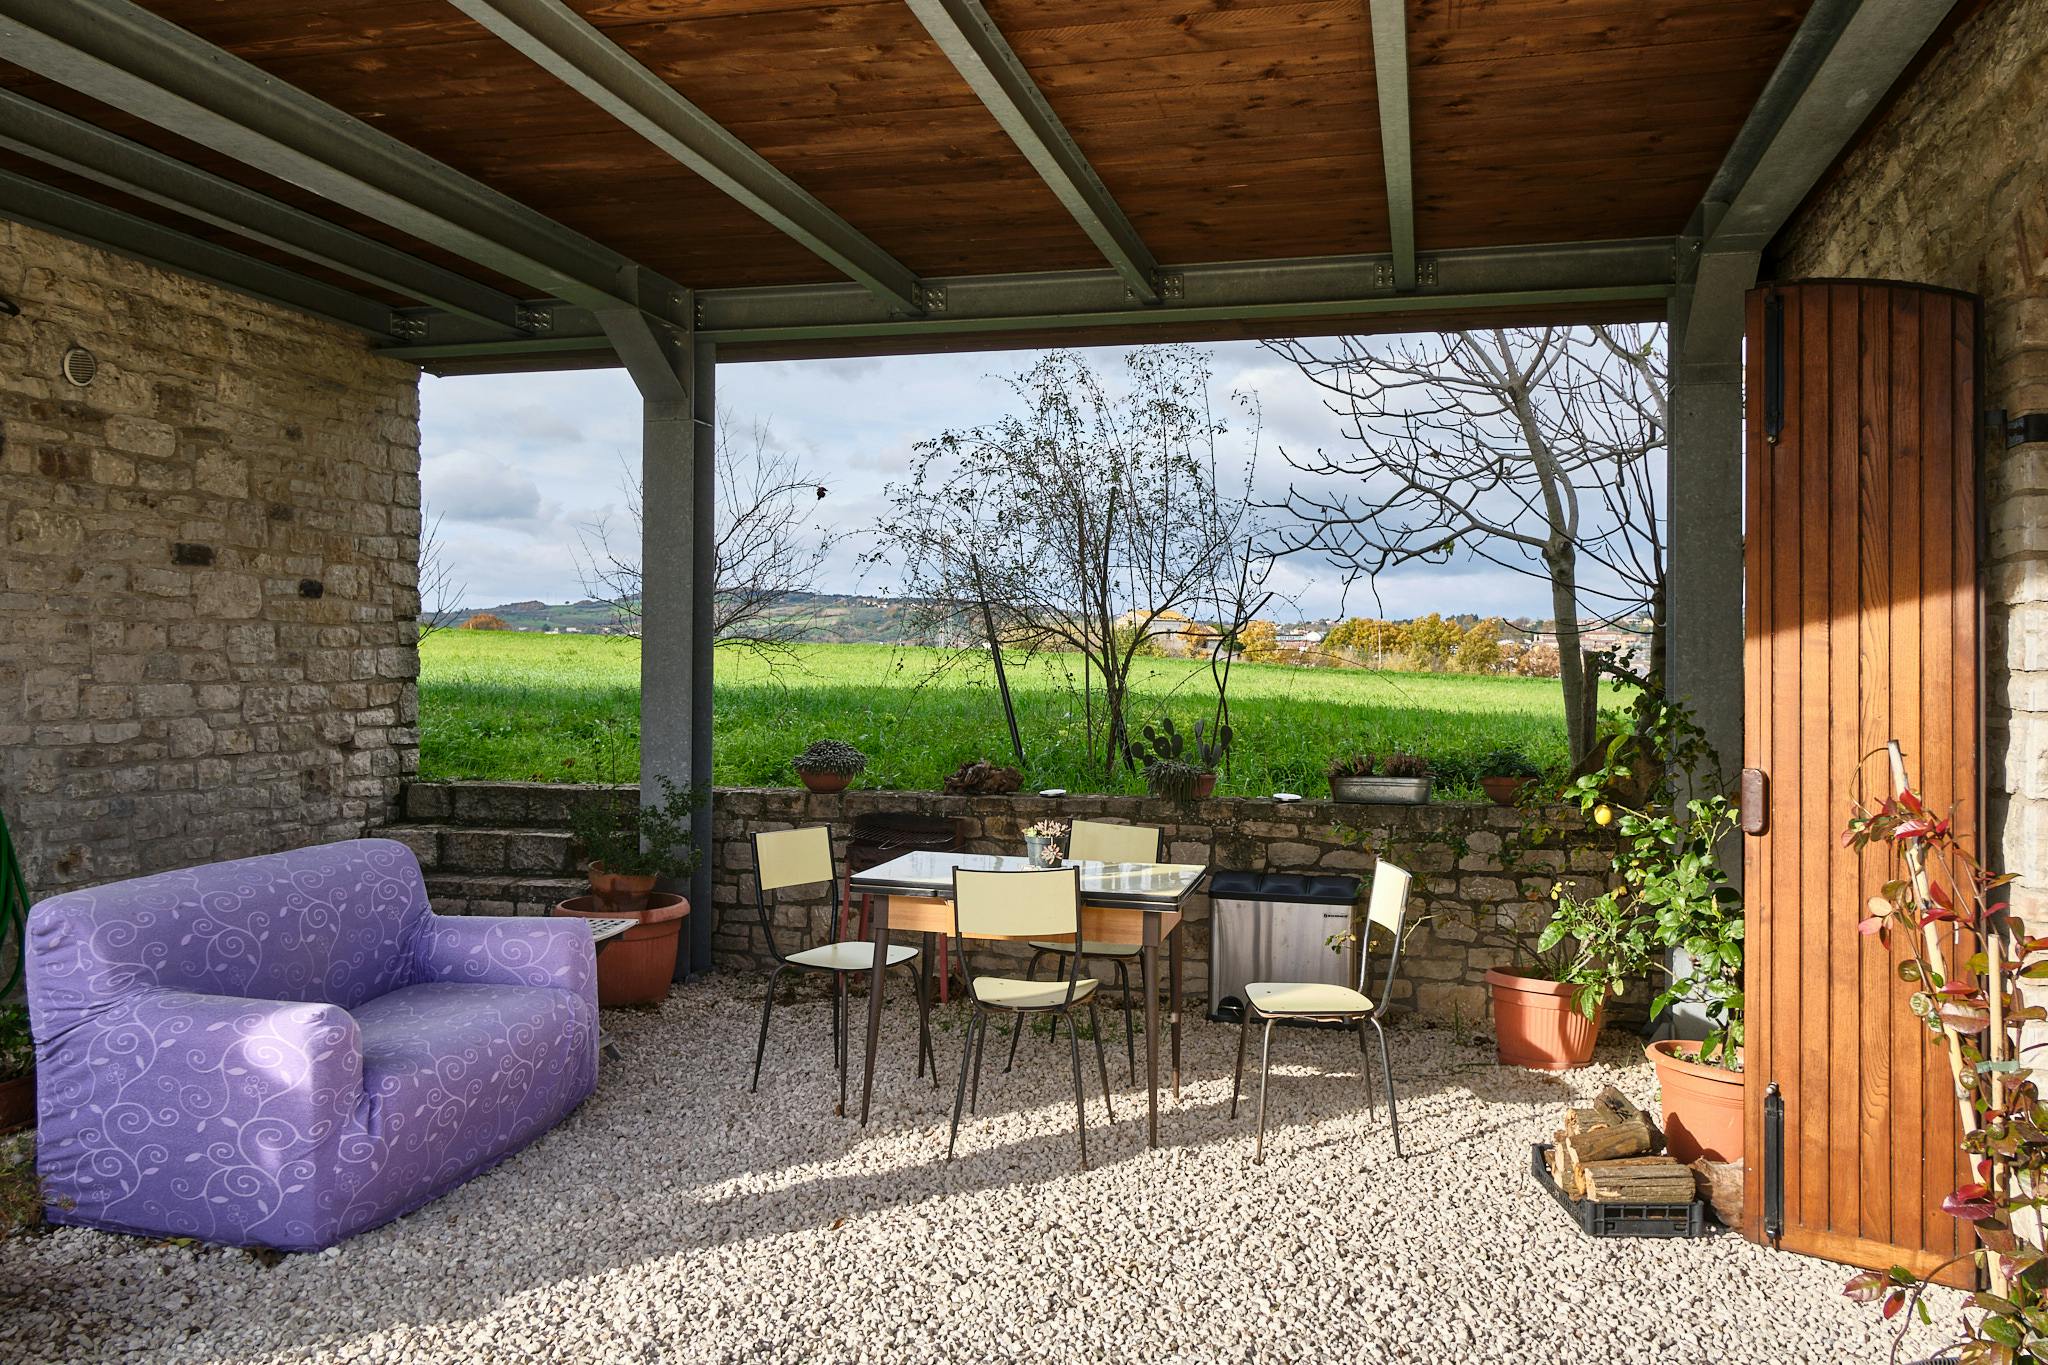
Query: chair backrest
(1388, 911)
(792, 857)
(1039, 903)
(1096, 841)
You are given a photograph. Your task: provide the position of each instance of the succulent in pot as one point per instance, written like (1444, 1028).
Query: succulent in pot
(1176, 768)
(632, 845)
(829, 765)
(1395, 778)
(1504, 773)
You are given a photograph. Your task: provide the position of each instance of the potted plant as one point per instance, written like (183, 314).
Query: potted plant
(631, 847)
(1503, 773)
(1045, 841)
(829, 765)
(17, 1069)
(1174, 769)
(1667, 864)
(1396, 778)
(1549, 1003)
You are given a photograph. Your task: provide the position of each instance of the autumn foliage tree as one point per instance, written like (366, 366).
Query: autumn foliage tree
(485, 620)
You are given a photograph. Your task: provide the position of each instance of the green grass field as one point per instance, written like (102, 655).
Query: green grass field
(524, 706)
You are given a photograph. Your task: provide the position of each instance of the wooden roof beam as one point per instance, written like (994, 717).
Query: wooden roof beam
(984, 59)
(1390, 79)
(121, 54)
(564, 44)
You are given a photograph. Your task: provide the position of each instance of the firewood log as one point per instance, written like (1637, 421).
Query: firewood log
(1720, 1184)
(1659, 1180)
(1630, 1138)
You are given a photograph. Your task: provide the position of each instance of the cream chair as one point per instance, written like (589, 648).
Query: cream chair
(803, 857)
(1097, 841)
(1039, 902)
(1274, 1001)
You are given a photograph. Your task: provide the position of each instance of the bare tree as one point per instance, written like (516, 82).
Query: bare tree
(1537, 450)
(1075, 524)
(768, 546)
(440, 595)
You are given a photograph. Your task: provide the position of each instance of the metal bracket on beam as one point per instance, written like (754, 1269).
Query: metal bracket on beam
(408, 327)
(535, 321)
(930, 298)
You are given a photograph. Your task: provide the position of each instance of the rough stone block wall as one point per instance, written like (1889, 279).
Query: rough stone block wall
(500, 848)
(208, 580)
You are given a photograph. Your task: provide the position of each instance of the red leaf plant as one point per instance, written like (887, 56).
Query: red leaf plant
(1968, 962)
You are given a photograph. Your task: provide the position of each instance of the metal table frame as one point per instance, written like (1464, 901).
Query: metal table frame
(1117, 908)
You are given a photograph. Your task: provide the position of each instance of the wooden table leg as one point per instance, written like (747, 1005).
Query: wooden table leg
(1173, 972)
(881, 942)
(1148, 967)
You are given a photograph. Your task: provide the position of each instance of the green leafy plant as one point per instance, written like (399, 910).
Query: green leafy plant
(1171, 764)
(1968, 997)
(831, 756)
(1506, 763)
(623, 832)
(1667, 866)
(1597, 944)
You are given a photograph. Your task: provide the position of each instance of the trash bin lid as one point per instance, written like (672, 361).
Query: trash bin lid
(1292, 888)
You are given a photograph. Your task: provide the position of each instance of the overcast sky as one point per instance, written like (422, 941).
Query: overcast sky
(516, 466)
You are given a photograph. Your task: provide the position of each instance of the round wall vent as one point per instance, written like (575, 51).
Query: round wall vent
(80, 365)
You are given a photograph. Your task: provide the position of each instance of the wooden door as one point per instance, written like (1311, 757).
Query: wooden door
(1861, 626)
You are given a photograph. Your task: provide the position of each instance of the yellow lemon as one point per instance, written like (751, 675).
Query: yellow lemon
(1603, 816)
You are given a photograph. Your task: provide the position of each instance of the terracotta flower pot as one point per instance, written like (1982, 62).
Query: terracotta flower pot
(624, 893)
(1503, 791)
(1204, 788)
(1702, 1104)
(635, 969)
(825, 783)
(17, 1103)
(1537, 1026)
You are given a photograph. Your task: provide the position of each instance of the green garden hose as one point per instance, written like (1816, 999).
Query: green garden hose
(13, 913)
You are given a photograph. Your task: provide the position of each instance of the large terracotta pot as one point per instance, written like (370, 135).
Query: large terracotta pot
(637, 967)
(825, 783)
(1503, 791)
(623, 892)
(17, 1102)
(1702, 1104)
(1536, 1025)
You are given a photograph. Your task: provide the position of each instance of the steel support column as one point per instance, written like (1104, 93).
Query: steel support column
(677, 566)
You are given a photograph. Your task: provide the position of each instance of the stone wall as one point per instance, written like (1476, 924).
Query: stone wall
(207, 571)
(502, 848)
(1950, 187)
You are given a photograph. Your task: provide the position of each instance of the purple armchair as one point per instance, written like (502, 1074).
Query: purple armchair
(285, 1051)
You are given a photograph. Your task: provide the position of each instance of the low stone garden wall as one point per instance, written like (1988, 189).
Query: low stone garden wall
(503, 847)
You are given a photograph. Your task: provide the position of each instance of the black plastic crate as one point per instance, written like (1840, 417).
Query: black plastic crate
(1620, 1220)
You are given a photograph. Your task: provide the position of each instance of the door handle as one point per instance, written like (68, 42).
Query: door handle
(1753, 801)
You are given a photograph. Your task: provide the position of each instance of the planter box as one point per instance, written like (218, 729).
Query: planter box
(1387, 791)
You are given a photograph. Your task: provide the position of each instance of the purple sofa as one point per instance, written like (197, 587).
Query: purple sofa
(284, 1051)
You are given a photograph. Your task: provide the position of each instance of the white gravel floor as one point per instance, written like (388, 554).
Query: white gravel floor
(676, 1217)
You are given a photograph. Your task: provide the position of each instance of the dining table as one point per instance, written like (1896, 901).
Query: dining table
(1139, 905)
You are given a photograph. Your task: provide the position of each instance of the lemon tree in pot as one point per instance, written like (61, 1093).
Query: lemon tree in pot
(829, 765)
(632, 846)
(1667, 864)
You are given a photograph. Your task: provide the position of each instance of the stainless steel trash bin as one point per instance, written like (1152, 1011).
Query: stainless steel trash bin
(1276, 926)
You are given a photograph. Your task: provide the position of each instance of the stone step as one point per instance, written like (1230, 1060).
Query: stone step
(501, 895)
(487, 852)
(503, 805)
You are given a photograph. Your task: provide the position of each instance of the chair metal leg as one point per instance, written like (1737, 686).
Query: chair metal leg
(974, 1095)
(1387, 1068)
(1265, 1074)
(767, 1008)
(1080, 1108)
(1016, 1028)
(1244, 1024)
(1101, 1059)
(1365, 1069)
(839, 980)
(1123, 976)
(974, 1021)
